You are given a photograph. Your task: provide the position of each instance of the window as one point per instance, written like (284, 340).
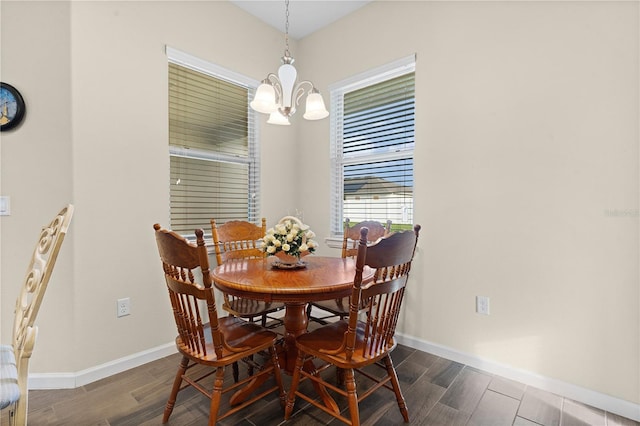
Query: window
(212, 145)
(372, 142)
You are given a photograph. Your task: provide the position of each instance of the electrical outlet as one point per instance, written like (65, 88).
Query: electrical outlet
(482, 305)
(5, 205)
(124, 307)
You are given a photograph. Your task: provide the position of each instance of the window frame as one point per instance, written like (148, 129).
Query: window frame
(337, 90)
(194, 63)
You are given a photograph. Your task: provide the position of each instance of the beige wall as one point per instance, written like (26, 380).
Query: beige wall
(526, 139)
(527, 146)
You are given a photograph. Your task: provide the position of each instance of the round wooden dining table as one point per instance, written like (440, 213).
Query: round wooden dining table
(322, 278)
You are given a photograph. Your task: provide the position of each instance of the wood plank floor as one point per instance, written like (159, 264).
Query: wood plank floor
(437, 391)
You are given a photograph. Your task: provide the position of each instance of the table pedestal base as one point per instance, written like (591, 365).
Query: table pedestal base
(295, 324)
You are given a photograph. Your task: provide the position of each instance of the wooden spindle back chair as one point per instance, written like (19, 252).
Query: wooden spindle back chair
(362, 340)
(351, 235)
(236, 240)
(339, 308)
(205, 339)
(14, 358)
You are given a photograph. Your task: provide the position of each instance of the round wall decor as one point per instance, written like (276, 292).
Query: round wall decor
(12, 107)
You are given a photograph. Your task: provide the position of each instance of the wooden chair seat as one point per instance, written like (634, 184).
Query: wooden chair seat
(326, 342)
(9, 387)
(336, 307)
(249, 308)
(239, 336)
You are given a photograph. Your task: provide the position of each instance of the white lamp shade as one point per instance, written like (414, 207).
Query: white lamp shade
(265, 99)
(315, 109)
(277, 118)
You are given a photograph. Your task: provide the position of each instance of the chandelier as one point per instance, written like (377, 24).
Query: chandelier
(279, 95)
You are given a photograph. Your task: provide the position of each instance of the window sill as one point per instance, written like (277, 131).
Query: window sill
(334, 242)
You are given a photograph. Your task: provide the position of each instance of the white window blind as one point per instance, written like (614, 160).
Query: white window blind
(213, 153)
(373, 137)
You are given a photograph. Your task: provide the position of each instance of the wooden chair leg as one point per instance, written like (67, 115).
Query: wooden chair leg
(236, 372)
(340, 376)
(277, 375)
(19, 416)
(391, 371)
(250, 368)
(182, 368)
(352, 396)
(309, 307)
(216, 396)
(295, 380)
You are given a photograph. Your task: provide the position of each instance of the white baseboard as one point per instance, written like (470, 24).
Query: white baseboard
(586, 396)
(92, 374)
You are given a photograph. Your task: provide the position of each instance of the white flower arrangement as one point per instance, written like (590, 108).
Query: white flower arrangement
(289, 236)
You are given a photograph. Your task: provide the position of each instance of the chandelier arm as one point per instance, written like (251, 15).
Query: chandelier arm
(298, 92)
(273, 78)
(277, 86)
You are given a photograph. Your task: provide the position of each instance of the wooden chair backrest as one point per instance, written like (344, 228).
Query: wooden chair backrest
(186, 272)
(351, 235)
(391, 258)
(238, 239)
(38, 274)
(29, 301)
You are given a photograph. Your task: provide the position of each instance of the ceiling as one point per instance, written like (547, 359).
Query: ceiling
(305, 16)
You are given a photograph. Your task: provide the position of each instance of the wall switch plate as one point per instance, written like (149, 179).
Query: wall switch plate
(482, 305)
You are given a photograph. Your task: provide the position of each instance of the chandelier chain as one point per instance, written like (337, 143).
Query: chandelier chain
(286, 29)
